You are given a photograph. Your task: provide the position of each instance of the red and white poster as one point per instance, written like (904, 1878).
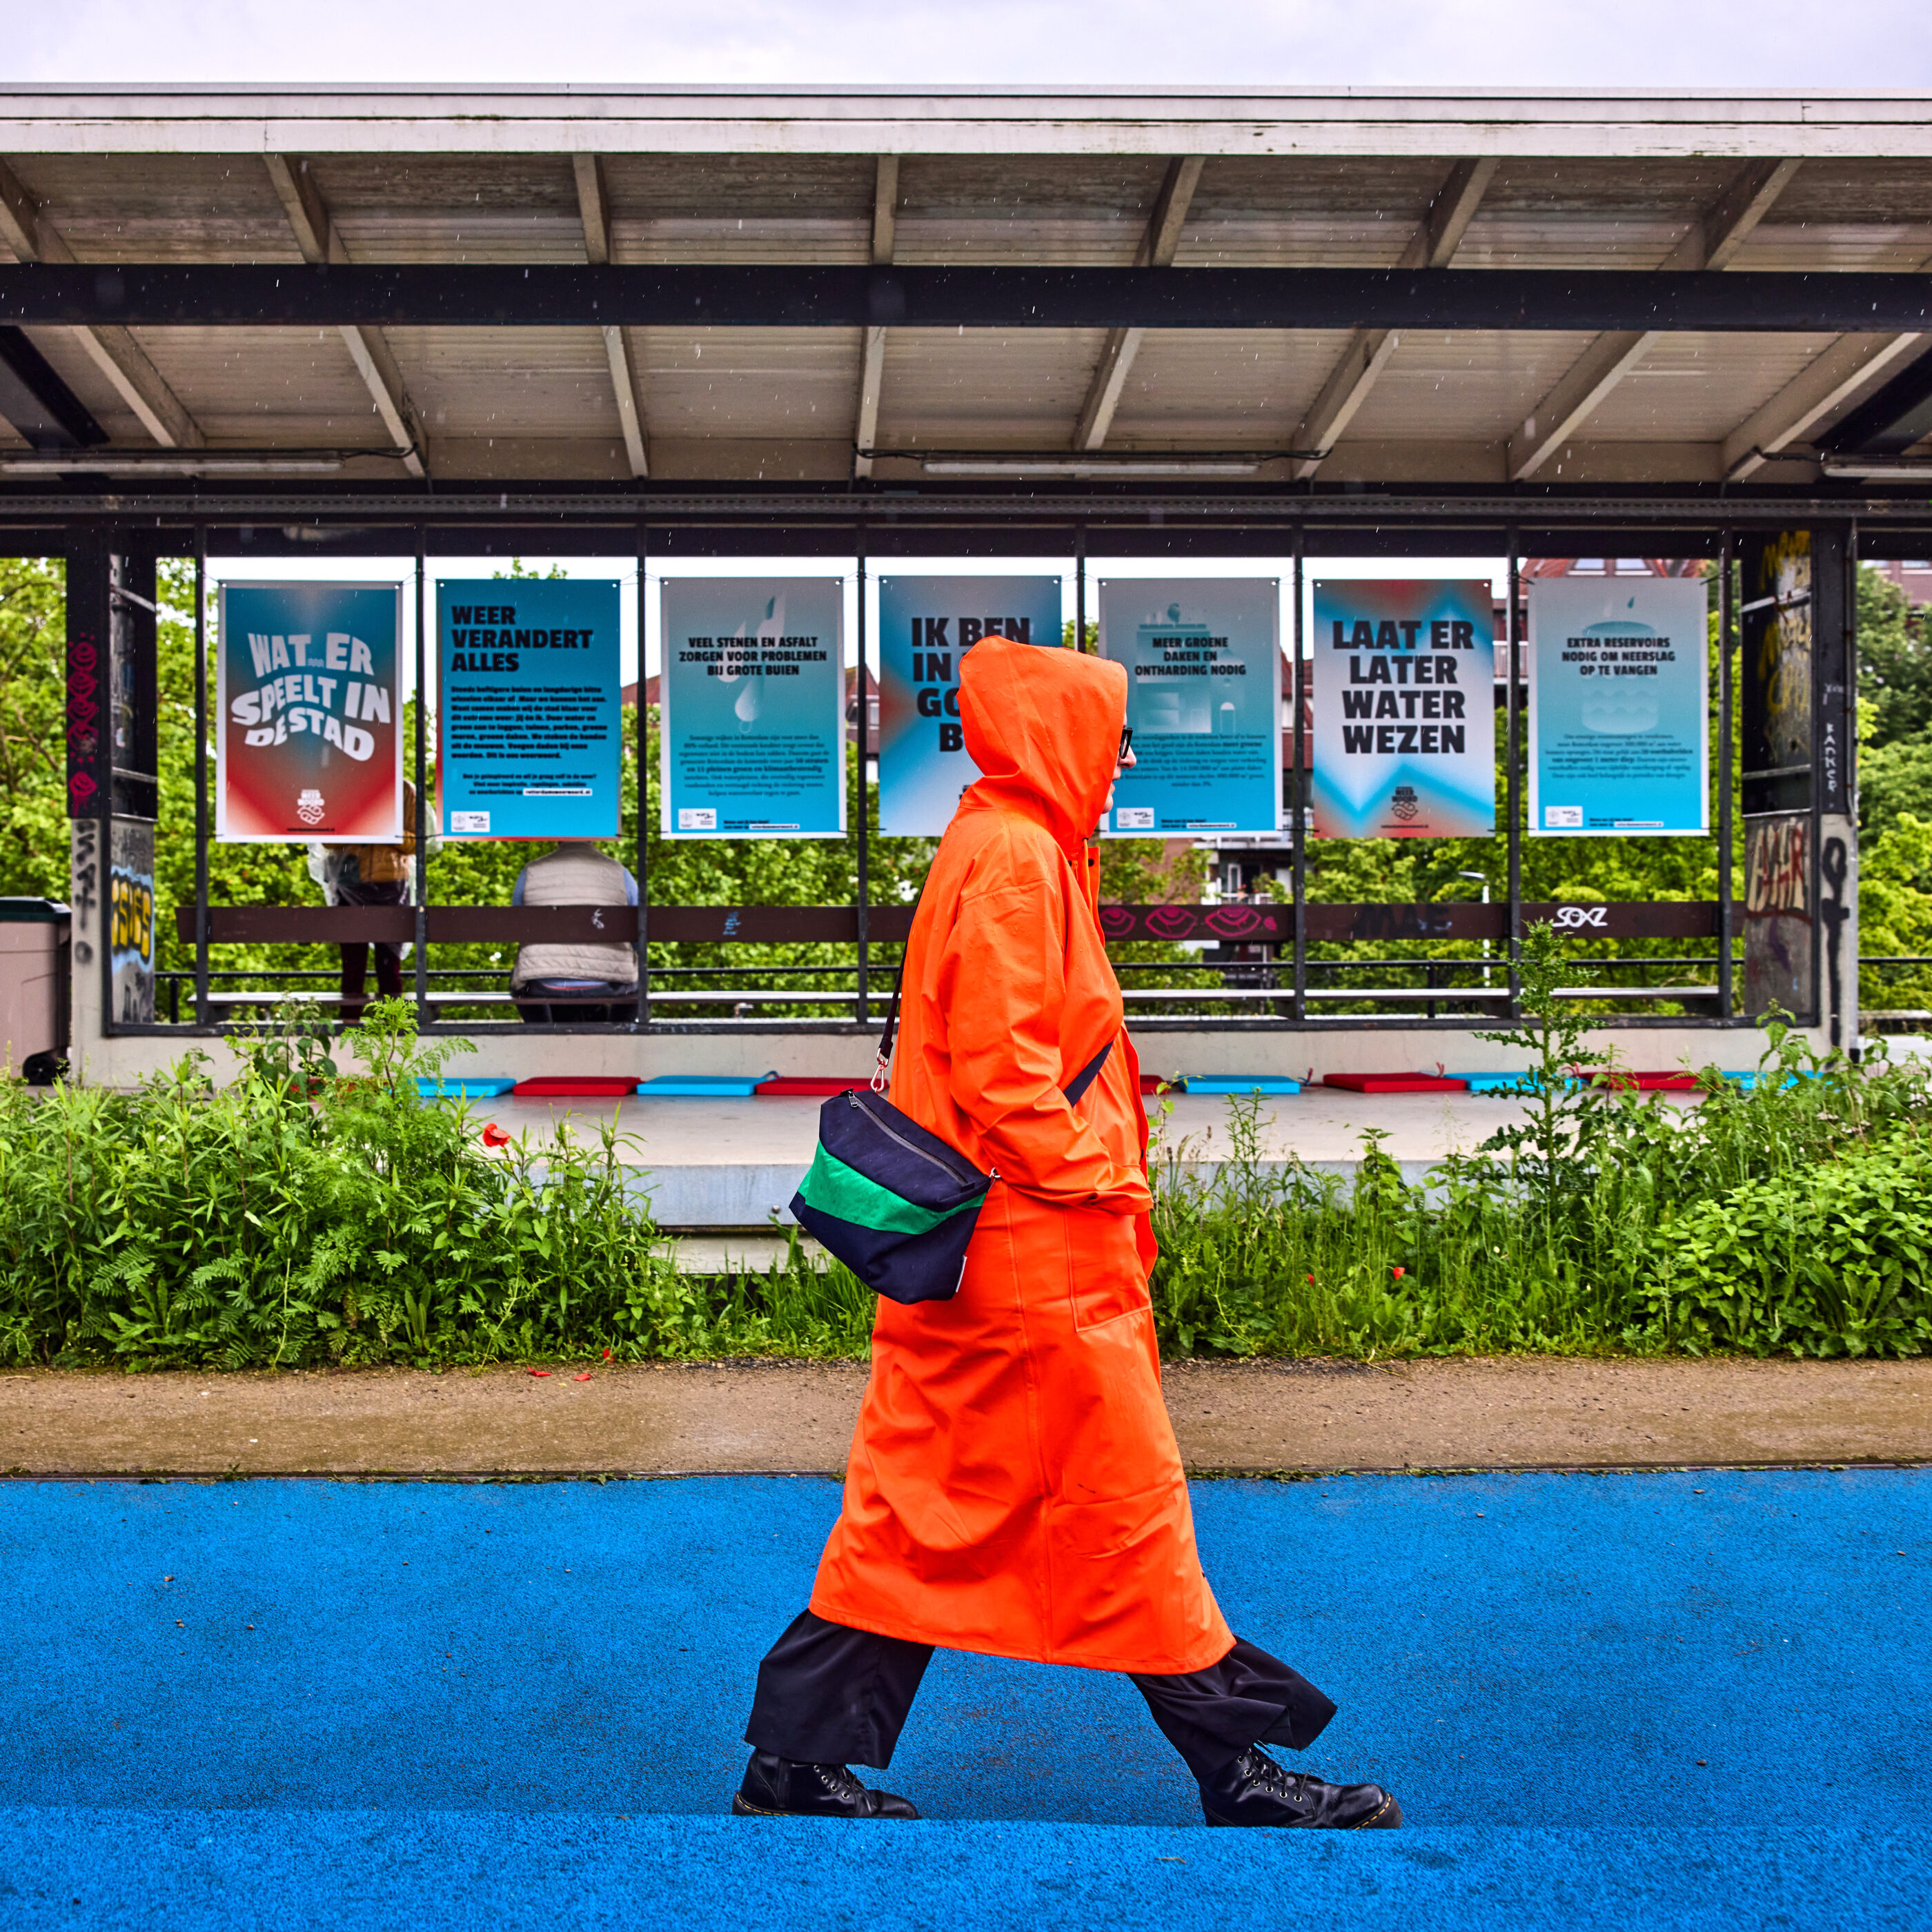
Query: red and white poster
(309, 697)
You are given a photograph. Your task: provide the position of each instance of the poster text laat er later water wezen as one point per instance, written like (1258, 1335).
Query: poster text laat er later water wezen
(308, 693)
(754, 707)
(1617, 707)
(1203, 659)
(529, 709)
(927, 625)
(1405, 709)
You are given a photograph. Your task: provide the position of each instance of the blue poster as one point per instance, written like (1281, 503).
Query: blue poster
(529, 723)
(1617, 717)
(1203, 659)
(1405, 709)
(926, 626)
(753, 719)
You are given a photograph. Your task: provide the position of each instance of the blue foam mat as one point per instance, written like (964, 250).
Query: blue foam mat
(471, 1088)
(695, 1086)
(1224, 1083)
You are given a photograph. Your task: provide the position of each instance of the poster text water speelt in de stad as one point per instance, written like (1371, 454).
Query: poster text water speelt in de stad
(309, 698)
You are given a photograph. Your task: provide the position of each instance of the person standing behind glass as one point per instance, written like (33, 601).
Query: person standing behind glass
(556, 982)
(370, 875)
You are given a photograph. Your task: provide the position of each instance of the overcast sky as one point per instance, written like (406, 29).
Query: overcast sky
(1856, 44)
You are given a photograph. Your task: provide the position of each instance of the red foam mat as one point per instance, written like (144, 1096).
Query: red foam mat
(572, 1086)
(1395, 1083)
(801, 1084)
(1674, 1080)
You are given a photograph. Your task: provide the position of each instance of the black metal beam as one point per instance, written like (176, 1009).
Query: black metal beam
(34, 400)
(153, 295)
(1890, 421)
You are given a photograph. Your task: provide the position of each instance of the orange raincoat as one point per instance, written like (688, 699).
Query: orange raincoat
(1014, 1486)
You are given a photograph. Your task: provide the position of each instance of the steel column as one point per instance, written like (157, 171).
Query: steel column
(201, 1009)
(644, 1019)
(423, 1015)
(864, 845)
(1727, 913)
(1514, 788)
(1298, 821)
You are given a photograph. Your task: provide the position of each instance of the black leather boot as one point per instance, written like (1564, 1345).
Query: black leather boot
(778, 1787)
(1255, 1790)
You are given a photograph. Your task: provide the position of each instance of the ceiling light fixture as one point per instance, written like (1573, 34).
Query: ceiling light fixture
(1852, 470)
(1068, 465)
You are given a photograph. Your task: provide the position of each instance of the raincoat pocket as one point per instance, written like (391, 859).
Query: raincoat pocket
(1104, 1277)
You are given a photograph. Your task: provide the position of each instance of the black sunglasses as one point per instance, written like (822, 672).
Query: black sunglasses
(1126, 743)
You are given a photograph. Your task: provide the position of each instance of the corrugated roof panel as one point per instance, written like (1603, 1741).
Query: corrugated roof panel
(1224, 388)
(973, 209)
(1699, 388)
(175, 208)
(1478, 385)
(1559, 190)
(949, 389)
(1501, 239)
(508, 382)
(1902, 247)
(1824, 192)
(723, 189)
(452, 186)
(267, 386)
(742, 382)
(829, 238)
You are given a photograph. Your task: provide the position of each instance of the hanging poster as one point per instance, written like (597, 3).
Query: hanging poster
(1203, 657)
(926, 626)
(308, 693)
(1405, 709)
(1617, 724)
(528, 712)
(753, 722)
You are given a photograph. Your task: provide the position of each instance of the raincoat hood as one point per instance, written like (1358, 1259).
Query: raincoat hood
(1044, 727)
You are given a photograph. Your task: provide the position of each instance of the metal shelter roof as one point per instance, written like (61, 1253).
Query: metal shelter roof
(1684, 187)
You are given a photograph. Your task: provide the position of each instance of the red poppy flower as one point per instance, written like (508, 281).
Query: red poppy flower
(493, 1136)
(1398, 1272)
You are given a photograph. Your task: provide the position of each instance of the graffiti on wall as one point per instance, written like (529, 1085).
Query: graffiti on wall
(130, 921)
(1777, 912)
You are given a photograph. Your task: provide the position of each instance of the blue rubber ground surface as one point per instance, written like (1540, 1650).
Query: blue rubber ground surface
(520, 1704)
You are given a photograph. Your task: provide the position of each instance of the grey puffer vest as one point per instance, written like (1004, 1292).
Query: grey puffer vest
(575, 875)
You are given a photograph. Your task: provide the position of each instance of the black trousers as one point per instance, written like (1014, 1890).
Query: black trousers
(356, 958)
(830, 1695)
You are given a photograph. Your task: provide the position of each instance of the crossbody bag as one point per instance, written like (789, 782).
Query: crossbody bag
(893, 1202)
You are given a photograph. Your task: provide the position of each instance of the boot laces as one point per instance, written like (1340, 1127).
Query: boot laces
(837, 1779)
(1257, 1768)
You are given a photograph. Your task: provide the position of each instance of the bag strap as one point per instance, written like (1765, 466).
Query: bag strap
(1074, 1088)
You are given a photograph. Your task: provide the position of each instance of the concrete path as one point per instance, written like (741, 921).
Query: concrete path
(749, 1416)
(734, 1163)
(1663, 1702)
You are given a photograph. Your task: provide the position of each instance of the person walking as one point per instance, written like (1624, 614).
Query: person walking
(1014, 1487)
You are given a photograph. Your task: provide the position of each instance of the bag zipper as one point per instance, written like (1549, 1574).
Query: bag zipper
(932, 1160)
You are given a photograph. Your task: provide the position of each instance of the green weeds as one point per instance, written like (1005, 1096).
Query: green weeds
(301, 1216)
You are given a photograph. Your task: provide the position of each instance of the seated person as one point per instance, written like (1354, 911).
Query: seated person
(556, 983)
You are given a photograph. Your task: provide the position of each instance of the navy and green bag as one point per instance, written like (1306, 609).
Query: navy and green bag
(894, 1203)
